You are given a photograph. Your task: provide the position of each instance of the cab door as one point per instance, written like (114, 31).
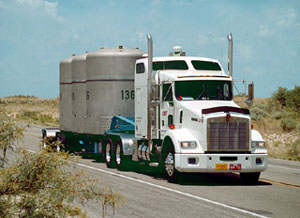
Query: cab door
(141, 95)
(167, 108)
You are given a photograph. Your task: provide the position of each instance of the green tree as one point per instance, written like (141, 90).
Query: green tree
(293, 100)
(281, 95)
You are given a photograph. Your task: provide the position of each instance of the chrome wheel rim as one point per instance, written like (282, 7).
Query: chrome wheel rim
(107, 156)
(169, 164)
(118, 154)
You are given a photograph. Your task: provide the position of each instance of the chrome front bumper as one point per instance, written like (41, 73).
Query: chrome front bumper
(221, 162)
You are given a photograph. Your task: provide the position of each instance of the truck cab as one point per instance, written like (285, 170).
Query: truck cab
(198, 125)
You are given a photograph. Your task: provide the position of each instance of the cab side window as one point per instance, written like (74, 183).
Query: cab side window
(167, 92)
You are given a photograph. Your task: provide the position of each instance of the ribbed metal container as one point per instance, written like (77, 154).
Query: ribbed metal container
(65, 92)
(110, 86)
(78, 67)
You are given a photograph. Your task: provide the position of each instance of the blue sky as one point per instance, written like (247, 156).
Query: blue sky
(36, 34)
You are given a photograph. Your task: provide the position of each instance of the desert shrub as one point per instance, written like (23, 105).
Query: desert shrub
(46, 118)
(288, 98)
(278, 115)
(29, 115)
(293, 100)
(298, 127)
(10, 133)
(272, 105)
(294, 150)
(288, 124)
(257, 113)
(45, 184)
(281, 95)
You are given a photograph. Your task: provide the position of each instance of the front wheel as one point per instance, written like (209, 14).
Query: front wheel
(170, 172)
(250, 178)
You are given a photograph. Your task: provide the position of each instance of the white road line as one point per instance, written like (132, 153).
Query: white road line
(287, 168)
(168, 189)
(34, 134)
(31, 151)
(173, 190)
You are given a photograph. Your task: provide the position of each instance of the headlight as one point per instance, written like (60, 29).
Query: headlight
(258, 144)
(191, 144)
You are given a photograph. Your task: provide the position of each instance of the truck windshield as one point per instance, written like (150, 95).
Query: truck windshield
(203, 90)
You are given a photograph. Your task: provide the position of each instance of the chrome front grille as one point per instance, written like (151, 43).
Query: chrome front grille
(228, 136)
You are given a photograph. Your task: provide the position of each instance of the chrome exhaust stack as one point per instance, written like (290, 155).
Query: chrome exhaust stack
(149, 105)
(230, 53)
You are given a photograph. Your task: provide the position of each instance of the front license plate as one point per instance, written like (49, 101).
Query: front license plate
(221, 166)
(235, 166)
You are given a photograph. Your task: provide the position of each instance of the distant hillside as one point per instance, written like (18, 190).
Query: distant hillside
(277, 118)
(32, 110)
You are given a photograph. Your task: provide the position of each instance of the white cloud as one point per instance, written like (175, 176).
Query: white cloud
(210, 39)
(49, 7)
(32, 3)
(264, 31)
(157, 3)
(2, 4)
(244, 51)
(203, 40)
(76, 36)
(138, 38)
(181, 3)
(288, 18)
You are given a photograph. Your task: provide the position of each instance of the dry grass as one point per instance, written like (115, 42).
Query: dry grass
(268, 120)
(33, 110)
(281, 143)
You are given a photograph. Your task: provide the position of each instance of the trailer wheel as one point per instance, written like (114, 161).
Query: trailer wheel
(250, 178)
(109, 151)
(119, 155)
(170, 172)
(44, 141)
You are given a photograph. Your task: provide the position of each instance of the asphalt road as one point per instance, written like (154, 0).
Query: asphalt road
(202, 195)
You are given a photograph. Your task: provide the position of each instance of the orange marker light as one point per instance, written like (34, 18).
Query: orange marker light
(172, 126)
(252, 126)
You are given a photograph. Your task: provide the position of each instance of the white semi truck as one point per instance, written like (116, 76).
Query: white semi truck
(176, 113)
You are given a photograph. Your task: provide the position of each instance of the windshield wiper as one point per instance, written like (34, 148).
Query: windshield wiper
(203, 92)
(220, 93)
(167, 93)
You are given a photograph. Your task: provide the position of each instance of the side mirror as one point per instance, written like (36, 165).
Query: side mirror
(249, 101)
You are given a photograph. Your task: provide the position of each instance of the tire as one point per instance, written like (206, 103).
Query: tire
(44, 146)
(109, 153)
(170, 173)
(62, 140)
(119, 157)
(48, 144)
(250, 178)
